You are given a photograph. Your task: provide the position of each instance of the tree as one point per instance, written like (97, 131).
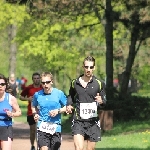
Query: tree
(136, 19)
(13, 17)
(12, 29)
(109, 49)
(67, 17)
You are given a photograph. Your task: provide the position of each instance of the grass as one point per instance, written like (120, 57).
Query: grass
(128, 127)
(23, 107)
(133, 135)
(134, 141)
(66, 123)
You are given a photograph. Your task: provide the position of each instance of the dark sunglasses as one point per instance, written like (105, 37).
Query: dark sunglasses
(47, 82)
(2, 84)
(86, 67)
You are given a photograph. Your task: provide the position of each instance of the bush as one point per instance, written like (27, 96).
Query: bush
(132, 108)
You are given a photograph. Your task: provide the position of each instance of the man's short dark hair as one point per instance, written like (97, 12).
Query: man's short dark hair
(35, 74)
(89, 58)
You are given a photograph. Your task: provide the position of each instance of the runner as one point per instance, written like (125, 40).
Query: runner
(13, 85)
(27, 95)
(50, 103)
(8, 108)
(88, 95)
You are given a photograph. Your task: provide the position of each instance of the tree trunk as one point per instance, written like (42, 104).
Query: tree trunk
(13, 48)
(127, 73)
(109, 49)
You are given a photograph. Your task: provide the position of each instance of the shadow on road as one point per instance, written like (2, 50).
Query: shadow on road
(21, 131)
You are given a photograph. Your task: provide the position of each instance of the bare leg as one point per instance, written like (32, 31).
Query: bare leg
(79, 142)
(90, 145)
(32, 133)
(6, 145)
(0, 145)
(44, 148)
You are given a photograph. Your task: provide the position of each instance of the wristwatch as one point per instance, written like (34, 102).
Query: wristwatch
(59, 111)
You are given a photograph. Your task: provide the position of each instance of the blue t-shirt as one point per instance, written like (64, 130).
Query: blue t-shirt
(47, 102)
(4, 105)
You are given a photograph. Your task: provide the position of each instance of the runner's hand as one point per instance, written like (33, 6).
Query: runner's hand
(98, 98)
(53, 113)
(30, 98)
(36, 117)
(69, 109)
(9, 113)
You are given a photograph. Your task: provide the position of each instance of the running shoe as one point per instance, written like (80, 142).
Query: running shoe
(32, 147)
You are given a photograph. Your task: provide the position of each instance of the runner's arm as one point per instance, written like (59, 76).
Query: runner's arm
(34, 108)
(23, 95)
(72, 93)
(103, 95)
(16, 109)
(62, 110)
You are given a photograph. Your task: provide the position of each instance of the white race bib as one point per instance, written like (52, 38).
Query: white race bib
(48, 127)
(88, 110)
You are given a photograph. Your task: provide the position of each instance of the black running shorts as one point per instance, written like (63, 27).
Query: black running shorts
(89, 129)
(6, 132)
(30, 120)
(53, 142)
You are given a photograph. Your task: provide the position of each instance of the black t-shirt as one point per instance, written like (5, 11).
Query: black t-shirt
(78, 94)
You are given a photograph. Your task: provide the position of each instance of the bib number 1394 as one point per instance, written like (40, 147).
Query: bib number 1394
(88, 110)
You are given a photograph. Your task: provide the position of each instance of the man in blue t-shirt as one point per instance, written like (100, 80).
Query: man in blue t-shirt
(47, 106)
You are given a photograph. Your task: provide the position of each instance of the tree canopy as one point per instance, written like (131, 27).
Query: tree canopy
(57, 35)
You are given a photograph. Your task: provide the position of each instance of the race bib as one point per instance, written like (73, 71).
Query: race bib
(88, 110)
(48, 127)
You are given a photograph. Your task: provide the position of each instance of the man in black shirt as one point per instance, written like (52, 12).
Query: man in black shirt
(87, 94)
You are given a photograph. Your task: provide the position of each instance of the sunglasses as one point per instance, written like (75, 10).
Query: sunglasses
(86, 67)
(2, 84)
(47, 82)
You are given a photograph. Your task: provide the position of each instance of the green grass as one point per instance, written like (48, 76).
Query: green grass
(66, 123)
(128, 127)
(23, 107)
(133, 135)
(133, 141)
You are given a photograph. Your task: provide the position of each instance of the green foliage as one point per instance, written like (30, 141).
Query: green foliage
(143, 76)
(57, 39)
(12, 14)
(4, 54)
(60, 46)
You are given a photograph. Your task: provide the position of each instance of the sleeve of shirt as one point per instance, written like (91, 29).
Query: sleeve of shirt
(24, 92)
(34, 100)
(103, 94)
(72, 93)
(63, 98)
